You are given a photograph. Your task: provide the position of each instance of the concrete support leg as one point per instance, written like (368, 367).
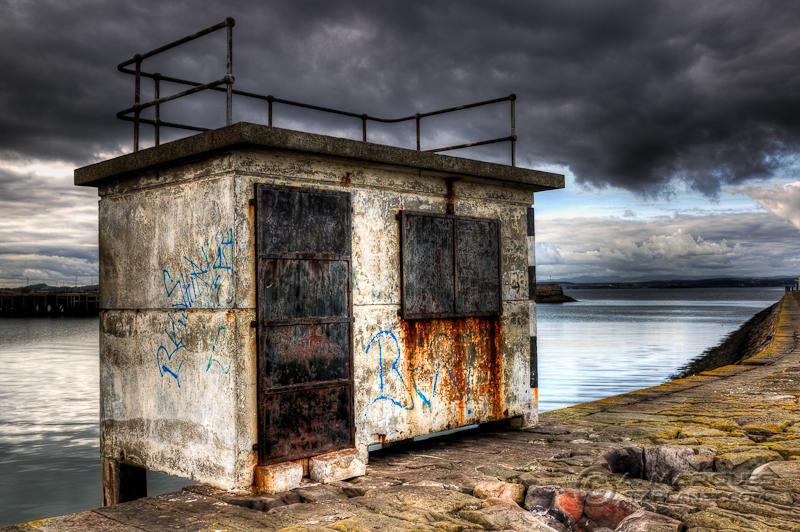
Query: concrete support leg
(531, 417)
(122, 482)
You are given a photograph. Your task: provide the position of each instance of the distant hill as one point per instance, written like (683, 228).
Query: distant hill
(727, 282)
(42, 287)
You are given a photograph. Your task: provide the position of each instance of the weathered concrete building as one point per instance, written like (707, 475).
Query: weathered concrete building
(269, 296)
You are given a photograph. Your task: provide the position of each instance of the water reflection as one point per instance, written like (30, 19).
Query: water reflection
(49, 404)
(614, 341)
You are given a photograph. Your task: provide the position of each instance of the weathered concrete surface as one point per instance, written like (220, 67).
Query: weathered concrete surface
(747, 416)
(338, 465)
(277, 478)
(177, 374)
(245, 134)
(178, 296)
(397, 393)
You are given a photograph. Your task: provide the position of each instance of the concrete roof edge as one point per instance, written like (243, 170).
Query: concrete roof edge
(247, 134)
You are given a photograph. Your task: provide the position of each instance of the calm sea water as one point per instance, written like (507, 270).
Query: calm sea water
(49, 404)
(617, 340)
(610, 342)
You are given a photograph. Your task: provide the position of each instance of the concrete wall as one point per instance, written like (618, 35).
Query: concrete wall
(425, 387)
(178, 358)
(177, 350)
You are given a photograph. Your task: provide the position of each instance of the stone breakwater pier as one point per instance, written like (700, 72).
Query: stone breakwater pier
(715, 451)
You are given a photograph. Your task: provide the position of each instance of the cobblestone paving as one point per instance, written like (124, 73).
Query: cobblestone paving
(717, 451)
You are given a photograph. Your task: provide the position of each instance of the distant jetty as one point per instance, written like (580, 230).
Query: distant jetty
(49, 301)
(551, 293)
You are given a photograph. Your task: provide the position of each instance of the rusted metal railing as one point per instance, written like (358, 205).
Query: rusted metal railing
(225, 84)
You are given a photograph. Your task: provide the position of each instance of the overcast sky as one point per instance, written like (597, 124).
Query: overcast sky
(676, 123)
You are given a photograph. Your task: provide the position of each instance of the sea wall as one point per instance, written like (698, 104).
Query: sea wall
(755, 334)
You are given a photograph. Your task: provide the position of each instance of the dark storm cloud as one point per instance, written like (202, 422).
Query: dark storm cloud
(21, 192)
(88, 254)
(48, 227)
(681, 246)
(630, 94)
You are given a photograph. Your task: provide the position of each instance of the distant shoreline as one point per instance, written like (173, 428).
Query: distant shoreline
(41, 301)
(727, 282)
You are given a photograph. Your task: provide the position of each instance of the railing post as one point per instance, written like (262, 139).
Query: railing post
(417, 118)
(512, 98)
(137, 92)
(157, 111)
(229, 22)
(364, 127)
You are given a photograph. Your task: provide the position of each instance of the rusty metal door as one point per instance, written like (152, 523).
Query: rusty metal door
(304, 312)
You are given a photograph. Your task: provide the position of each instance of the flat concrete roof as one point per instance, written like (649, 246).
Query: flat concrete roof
(244, 134)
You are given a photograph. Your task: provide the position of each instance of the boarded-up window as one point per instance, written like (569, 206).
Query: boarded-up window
(451, 266)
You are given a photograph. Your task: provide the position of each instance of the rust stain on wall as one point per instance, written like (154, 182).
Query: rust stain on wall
(456, 362)
(251, 214)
